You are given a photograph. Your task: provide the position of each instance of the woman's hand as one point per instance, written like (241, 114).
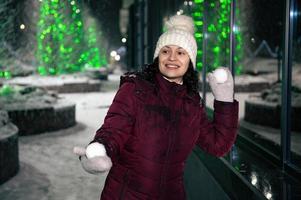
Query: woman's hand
(94, 165)
(222, 91)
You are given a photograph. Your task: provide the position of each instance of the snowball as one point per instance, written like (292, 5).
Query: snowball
(95, 149)
(220, 75)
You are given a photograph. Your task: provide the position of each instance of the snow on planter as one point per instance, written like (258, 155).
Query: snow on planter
(265, 108)
(61, 84)
(34, 110)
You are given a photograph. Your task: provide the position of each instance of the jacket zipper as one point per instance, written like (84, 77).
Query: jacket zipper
(125, 179)
(170, 144)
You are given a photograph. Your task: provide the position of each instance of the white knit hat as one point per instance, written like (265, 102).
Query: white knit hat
(180, 32)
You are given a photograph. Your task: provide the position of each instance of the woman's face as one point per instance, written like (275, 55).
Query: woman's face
(173, 63)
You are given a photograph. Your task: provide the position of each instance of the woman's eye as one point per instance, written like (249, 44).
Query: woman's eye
(164, 51)
(181, 53)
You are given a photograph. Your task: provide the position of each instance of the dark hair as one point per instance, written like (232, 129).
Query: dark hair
(190, 78)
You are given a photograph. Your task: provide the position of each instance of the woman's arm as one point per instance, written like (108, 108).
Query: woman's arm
(119, 121)
(218, 136)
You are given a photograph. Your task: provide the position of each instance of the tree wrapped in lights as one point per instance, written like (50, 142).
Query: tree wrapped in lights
(7, 35)
(218, 30)
(63, 44)
(94, 56)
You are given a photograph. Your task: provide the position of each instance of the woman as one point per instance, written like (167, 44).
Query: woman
(157, 118)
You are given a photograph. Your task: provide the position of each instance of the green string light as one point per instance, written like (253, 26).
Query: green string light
(6, 90)
(218, 29)
(5, 74)
(197, 15)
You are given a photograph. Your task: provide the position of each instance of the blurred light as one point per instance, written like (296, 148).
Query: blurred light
(268, 195)
(117, 57)
(72, 2)
(77, 10)
(254, 179)
(235, 28)
(293, 14)
(267, 191)
(113, 53)
(22, 26)
(253, 40)
(40, 0)
(185, 3)
(123, 40)
(180, 12)
(190, 3)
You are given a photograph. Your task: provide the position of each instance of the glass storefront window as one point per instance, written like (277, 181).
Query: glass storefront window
(258, 61)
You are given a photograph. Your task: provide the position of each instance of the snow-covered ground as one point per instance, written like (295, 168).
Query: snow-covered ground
(48, 168)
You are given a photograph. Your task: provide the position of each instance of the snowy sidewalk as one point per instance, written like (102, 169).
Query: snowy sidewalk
(48, 168)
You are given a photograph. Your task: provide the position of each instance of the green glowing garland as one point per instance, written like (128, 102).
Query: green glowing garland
(198, 20)
(218, 29)
(63, 44)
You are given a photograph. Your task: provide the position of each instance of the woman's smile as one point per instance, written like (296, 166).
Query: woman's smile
(172, 66)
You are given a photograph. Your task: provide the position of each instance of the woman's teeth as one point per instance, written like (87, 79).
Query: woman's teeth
(172, 66)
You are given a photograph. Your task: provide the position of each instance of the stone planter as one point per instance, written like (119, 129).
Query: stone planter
(34, 110)
(266, 113)
(41, 119)
(76, 87)
(9, 155)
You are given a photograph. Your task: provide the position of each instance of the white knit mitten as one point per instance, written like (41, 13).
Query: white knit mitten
(222, 91)
(93, 164)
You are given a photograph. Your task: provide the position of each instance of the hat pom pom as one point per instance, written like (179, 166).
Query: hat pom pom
(181, 22)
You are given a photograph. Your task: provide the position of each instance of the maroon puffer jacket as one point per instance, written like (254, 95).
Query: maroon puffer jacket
(149, 131)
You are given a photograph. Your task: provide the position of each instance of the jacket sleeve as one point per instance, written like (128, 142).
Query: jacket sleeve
(218, 136)
(119, 121)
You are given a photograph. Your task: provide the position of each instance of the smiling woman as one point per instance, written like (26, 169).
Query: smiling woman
(157, 118)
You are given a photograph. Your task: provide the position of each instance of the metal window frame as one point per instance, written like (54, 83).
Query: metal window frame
(204, 56)
(286, 160)
(286, 85)
(232, 37)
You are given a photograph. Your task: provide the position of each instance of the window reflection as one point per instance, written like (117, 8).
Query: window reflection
(258, 87)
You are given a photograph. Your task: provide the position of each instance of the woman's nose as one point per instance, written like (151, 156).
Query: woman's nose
(172, 56)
